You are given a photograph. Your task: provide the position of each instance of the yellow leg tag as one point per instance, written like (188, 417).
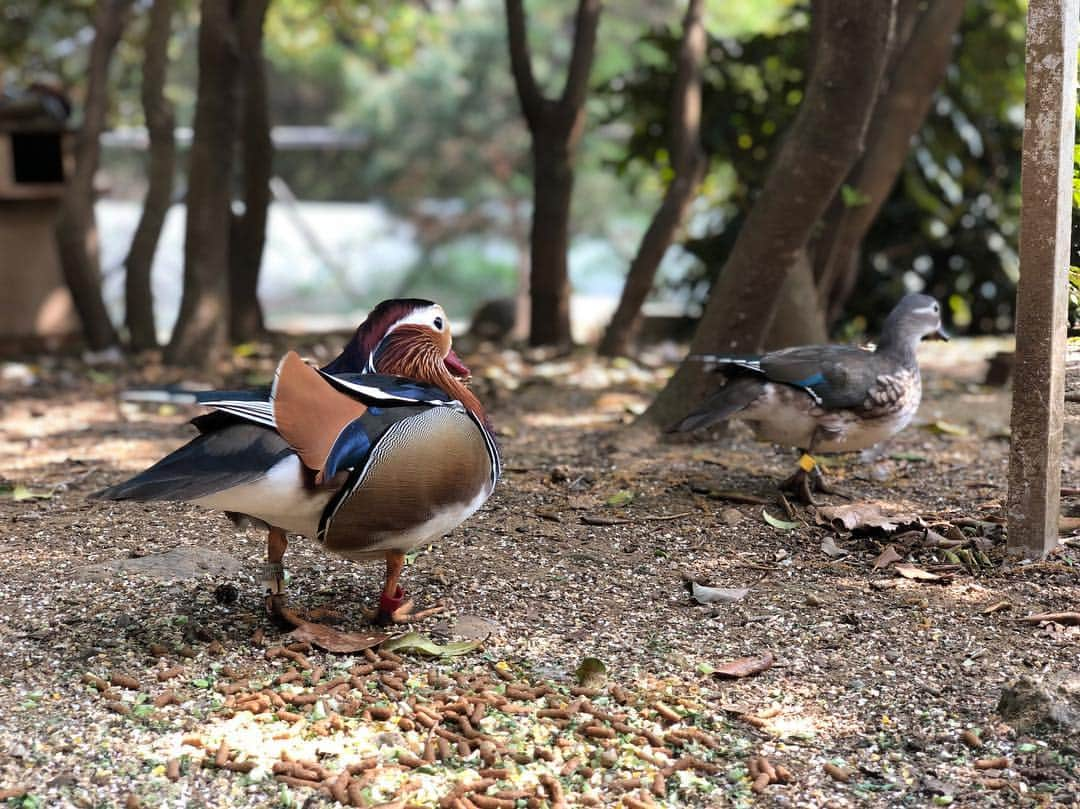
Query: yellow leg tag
(807, 462)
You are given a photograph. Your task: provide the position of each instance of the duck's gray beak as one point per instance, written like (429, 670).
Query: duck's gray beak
(940, 334)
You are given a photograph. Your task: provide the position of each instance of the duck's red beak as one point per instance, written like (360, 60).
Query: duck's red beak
(456, 366)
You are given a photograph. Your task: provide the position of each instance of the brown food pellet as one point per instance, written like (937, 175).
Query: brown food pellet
(222, 755)
(193, 741)
(598, 732)
(840, 774)
(464, 748)
(491, 802)
(214, 647)
(994, 783)
(257, 636)
(666, 712)
(999, 763)
(299, 646)
(239, 766)
(444, 748)
(767, 768)
(380, 712)
(410, 761)
(625, 784)
(158, 650)
(752, 767)
(497, 773)
(165, 698)
(132, 801)
(95, 681)
(172, 769)
(169, 673)
(186, 651)
(339, 788)
(124, 681)
(385, 665)
(288, 677)
(119, 707)
(659, 785)
(371, 656)
(969, 738)
(362, 766)
(636, 803)
(761, 782)
(298, 782)
(289, 716)
(361, 670)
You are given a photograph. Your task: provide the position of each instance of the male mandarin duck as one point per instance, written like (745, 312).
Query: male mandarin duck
(379, 451)
(830, 398)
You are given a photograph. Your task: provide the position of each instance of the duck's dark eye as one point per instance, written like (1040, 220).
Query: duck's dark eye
(438, 323)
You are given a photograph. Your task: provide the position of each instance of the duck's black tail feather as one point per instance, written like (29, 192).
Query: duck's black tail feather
(212, 462)
(725, 403)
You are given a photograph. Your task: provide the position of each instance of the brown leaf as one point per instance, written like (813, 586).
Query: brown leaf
(917, 573)
(333, 640)
(863, 517)
(744, 667)
(887, 557)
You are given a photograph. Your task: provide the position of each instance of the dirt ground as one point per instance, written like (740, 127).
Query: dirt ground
(134, 675)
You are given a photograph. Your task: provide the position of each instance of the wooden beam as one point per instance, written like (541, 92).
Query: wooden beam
(1042, 296)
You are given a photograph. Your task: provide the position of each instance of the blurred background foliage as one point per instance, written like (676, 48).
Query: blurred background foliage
(424, 91)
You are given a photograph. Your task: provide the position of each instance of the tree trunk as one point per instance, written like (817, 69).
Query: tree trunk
(823, 143)
(160, 121)
(919, 68)
(549, 286)
(689, 163)
(800, 317)
(257, 157)
(76, 228)
(202, 328)
(556, 126)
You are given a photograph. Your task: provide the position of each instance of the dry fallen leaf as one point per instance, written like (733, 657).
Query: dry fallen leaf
(332, 640)
(715, 595)
(863, 516)
(887, 557)
(744, 667)
(917, 573)
(830, 549)
(1064, 618)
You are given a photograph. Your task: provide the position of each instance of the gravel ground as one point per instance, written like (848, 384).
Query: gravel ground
(137, 667)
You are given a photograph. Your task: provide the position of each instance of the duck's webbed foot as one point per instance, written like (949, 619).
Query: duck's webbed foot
(807, 479)
(398, 609)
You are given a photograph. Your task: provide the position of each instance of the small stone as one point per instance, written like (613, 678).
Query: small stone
(731, 516)
(226, 594)
(892, 655)
(1050, 702)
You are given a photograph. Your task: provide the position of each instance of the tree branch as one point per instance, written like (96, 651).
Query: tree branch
(581, 57)
(532, 102)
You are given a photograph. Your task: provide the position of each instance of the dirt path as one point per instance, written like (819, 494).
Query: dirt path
(582, 552)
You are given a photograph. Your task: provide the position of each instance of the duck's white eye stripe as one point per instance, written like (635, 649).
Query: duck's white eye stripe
(925, 310)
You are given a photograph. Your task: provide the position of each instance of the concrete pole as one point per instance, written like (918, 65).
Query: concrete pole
(1042, 296)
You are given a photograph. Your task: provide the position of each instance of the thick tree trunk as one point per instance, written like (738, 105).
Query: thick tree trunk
(800, 318)
(919, 68)
(689, 163)
(202, 328)
(556, 126)
(549, 287)
(823, 143)
(76, 229)
(257, 157)
(160, 121)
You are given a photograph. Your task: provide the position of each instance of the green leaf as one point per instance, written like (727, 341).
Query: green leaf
(852, 197)
(201, 683)
(908, 456)
(620, 498)
(415, 643)
(776, 522)
(21, 492)
(591, 672)
(946, 428)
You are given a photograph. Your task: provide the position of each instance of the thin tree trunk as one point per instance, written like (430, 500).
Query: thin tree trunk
(76, 228)
(202, 327)
(689, 163)
(556, 126)
(257, 157)
(819, 150)
(160, 121)
(898, 115)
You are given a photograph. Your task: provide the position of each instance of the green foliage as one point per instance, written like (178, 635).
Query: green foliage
(951, 223)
